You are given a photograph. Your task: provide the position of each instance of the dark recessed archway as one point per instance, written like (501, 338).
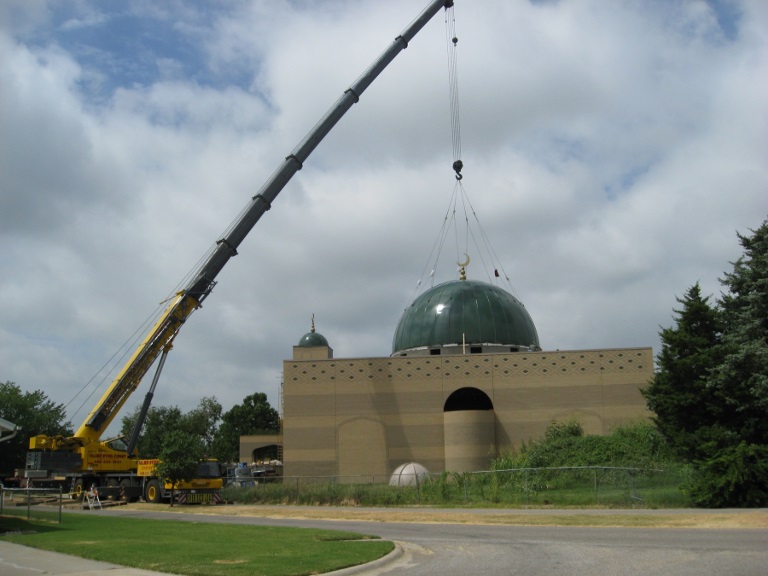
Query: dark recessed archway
(468, 399)
(265, 453)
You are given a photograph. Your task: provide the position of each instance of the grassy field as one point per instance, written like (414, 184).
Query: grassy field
(197, 548)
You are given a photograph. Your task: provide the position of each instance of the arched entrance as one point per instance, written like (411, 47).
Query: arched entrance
(469, 424)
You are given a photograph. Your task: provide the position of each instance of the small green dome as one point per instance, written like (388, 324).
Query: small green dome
(465, 311)
(313, 338)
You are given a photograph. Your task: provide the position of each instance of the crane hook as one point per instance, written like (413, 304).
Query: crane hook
(457, 166)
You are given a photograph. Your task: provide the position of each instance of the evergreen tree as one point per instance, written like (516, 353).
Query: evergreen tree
(742, 376)
(678, 393)
(733, 469)
(710, 393)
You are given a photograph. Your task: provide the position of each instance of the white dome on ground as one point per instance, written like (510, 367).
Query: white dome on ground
(410, 474)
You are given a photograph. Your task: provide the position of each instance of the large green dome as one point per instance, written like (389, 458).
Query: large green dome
(464, 314)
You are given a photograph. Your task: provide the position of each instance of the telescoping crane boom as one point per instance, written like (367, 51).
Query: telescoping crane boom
(83, 446)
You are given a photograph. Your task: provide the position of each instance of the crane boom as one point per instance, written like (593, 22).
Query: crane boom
(191, 297)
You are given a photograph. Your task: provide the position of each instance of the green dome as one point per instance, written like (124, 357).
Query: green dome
(313, 338)
(465, 311)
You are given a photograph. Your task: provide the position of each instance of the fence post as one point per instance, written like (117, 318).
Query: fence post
(594, 471)
(527, 491)
(61, 497)
(29, 504)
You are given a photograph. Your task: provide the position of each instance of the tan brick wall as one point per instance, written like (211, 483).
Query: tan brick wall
(368, 415)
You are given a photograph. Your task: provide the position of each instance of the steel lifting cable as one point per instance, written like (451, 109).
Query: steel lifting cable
(452, 42)
(453, 94)
(449, 220)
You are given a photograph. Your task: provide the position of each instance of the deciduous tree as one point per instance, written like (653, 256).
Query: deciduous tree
(253, 416)
(203, 421)
(35, 414)
(180, 457)
(160, 421)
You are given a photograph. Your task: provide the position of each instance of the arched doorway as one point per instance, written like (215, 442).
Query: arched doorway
(469, 428)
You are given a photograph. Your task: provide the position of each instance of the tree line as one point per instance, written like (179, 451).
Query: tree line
(206, 431)
(710, 390)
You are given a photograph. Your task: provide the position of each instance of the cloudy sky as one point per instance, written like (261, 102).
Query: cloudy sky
(612, 150)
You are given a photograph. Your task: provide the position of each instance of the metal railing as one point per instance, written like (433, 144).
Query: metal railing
(32, 503)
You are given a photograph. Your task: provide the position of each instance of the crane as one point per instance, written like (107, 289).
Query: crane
(83, 457)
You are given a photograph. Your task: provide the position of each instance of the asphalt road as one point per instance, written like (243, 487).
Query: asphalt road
(462, 549)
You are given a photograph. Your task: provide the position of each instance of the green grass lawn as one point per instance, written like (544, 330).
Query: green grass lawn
(193, 548)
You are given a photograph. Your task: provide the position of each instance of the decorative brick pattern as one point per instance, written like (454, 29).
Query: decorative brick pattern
(521, 365)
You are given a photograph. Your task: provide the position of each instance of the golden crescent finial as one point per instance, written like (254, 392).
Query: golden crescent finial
(463, 267)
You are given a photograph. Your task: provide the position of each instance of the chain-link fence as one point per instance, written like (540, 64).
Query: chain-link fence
(32, 503)
(562, 486)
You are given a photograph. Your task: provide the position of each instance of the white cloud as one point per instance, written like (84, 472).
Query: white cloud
(612, 151)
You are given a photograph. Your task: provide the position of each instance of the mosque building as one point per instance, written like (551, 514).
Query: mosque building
(466, 381)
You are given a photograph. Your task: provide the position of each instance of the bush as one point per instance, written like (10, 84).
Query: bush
(731, 477)
(611, 470)
(565, 444)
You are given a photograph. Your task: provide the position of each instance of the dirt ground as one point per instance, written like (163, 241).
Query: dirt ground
(640, 518)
